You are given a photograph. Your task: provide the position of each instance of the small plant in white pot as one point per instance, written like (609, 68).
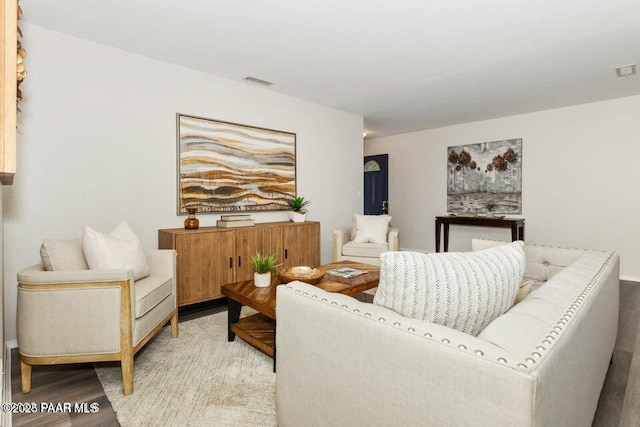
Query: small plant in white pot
(490, 207)
(262, 265)
(297, 205)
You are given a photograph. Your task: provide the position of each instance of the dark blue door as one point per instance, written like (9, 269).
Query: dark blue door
(376, 184)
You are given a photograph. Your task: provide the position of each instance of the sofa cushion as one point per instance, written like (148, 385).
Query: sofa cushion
(464, 291)
(121, 249)
(63, 255)
(150, 292)
(370, 250)
(372, 228)
(529, 322)
(542, 261)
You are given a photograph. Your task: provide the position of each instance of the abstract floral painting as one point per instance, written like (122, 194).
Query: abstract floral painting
(488, 173)
(225, 167)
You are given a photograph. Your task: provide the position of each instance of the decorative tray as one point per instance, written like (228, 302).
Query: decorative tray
(303, 274)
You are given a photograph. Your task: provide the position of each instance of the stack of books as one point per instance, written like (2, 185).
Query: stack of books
(236, 220)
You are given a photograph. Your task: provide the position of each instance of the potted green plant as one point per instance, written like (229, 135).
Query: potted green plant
(262, 265)
(298, 212)
(490, 207)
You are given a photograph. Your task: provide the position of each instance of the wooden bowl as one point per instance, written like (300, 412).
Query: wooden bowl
(306, 275)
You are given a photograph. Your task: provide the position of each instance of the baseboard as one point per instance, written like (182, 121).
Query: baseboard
(630, 278)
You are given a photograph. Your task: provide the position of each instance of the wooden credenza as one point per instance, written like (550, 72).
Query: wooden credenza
(210, 257)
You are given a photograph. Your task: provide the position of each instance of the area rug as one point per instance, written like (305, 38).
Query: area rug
(198, 379)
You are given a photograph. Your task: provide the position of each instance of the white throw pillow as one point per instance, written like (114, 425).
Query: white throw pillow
(63, 255)
(371, 228)
(119, 250)
(463, 291)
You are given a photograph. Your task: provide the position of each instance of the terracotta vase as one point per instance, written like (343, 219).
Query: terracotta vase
(191, 223)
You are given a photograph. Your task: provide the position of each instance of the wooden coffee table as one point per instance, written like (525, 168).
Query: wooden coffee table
(259, 329)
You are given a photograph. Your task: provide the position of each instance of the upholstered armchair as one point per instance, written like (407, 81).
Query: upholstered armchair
(83, 315)
(367, 238)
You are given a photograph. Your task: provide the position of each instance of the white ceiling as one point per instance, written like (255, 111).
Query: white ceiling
(405, 65)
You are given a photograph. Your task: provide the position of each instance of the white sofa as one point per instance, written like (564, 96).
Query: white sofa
(542, 363)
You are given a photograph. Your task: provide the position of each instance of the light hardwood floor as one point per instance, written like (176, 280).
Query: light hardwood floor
(619, 404)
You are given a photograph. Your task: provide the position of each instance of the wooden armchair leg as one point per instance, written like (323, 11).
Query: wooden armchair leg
(25, 373)
(174, 324)
(127, 373)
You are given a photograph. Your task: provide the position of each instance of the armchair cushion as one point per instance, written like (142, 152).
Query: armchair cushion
(121, 249)
(464, 291)
(150, 292)
(373, 250)
(371, 228)
(63, 255)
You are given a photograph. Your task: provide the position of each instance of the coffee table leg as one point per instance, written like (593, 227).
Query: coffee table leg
(233, 315)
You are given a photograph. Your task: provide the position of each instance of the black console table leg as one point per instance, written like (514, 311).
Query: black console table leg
(446, 237)
(233, 315)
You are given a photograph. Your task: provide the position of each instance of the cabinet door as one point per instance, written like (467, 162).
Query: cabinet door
(301, 245)
(248, 242)
(205, 262)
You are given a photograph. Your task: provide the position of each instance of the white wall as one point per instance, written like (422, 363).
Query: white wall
(580, 178)
(97, 144)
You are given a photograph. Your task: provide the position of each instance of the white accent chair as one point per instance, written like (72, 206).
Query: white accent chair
(79, 316)
(345, 246)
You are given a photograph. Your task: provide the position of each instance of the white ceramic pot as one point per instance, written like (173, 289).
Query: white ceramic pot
(297, 216)
(262, 280)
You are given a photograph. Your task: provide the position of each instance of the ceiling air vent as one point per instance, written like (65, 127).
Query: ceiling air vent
(257, 82)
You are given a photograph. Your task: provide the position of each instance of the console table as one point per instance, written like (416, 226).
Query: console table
(515, 224)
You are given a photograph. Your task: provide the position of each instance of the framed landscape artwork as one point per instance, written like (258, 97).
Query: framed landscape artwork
(229, 167)
(488, 174)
